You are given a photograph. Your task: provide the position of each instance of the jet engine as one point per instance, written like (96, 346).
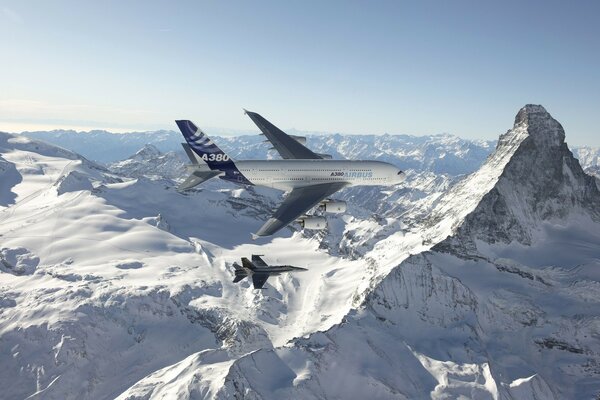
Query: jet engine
(313, 222)
(334, 207)
(299, 139)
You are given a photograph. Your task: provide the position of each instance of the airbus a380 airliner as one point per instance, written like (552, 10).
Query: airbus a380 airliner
(309, 178)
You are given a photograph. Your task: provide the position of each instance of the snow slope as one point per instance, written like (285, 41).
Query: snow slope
(114, 285)
(107, 280)
(505, 307)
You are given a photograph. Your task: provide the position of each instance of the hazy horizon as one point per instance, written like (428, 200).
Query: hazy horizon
(421, 68)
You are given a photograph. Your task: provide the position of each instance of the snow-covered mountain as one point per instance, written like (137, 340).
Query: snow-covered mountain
(105, 280)
(503, 305)
(105, 147)
(151, 163)
(114, 285)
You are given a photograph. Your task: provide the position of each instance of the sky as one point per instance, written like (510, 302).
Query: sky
(357, 67)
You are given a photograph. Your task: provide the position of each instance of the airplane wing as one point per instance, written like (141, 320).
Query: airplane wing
(258, 261)
(296, 203)
(259, 280)
(287, 147)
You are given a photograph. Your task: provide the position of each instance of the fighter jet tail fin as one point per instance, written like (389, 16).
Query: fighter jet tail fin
(247, 263)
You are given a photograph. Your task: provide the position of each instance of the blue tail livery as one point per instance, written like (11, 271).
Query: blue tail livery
(210, 153)
(206, 149)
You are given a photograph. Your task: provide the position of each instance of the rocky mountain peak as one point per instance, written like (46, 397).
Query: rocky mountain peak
(540, 126)
(148, 151)
(150, 162)
(541, 181)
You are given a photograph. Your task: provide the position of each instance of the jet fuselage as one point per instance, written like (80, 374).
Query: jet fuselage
(290, 174)
(273, 270)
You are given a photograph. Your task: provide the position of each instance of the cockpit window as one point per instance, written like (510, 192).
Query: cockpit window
(399, 172)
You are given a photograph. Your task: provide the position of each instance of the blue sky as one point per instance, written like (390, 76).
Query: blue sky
(462, 67)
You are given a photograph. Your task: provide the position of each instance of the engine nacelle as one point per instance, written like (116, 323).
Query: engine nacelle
(299, 139)
(334, 207)
(313, 222)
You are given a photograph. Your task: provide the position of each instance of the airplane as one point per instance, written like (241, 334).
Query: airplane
(309, 178)
(260, 270)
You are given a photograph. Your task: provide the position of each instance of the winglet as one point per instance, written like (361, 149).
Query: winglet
(245, 111)
(254, 236)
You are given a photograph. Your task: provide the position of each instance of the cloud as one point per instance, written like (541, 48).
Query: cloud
(12, 16)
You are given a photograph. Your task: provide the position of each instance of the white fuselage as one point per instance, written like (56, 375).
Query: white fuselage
(289, 174)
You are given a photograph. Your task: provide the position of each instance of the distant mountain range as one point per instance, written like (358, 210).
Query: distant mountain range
(440, 154)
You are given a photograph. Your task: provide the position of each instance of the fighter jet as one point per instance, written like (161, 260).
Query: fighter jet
(259, 270)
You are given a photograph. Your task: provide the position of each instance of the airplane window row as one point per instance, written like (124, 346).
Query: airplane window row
(314, 170)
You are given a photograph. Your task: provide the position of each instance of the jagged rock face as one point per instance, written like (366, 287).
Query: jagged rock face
(541, 182)
(148, 151)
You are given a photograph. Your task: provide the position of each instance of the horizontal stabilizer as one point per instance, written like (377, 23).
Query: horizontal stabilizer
(240, 273)
(196, 178)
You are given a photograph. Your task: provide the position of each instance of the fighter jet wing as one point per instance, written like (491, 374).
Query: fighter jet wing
(258, 261)
(259, 280)
(287, 147)
(296, 203)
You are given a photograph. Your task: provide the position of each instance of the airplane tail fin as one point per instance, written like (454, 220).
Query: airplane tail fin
(200, 171)
(205, 148)
(194, 158)
(240, 273)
